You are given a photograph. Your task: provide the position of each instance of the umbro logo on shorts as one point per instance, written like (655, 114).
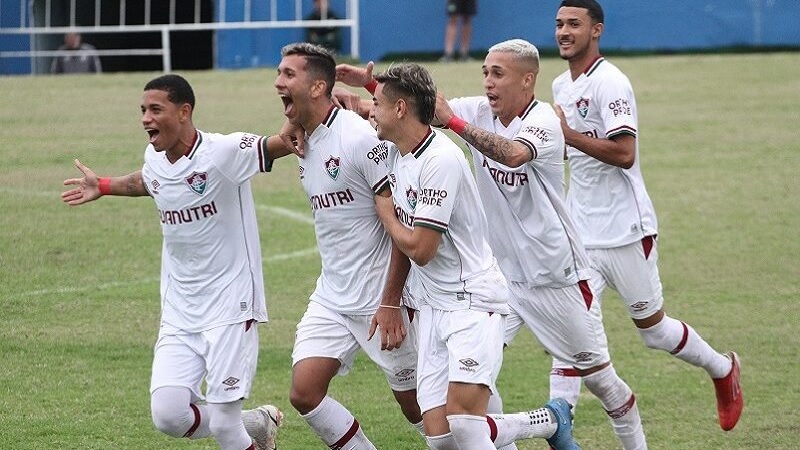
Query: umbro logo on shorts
(231, 381)
(404, 373)
(582, 356)
(469, 362)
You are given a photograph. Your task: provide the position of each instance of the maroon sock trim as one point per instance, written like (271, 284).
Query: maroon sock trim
(347, 436)
(565, 372)
(682, 343)
(492, 428)
(196, 423)
(622, 410)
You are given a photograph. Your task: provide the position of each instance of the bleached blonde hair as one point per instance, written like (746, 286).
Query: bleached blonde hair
(521, 49)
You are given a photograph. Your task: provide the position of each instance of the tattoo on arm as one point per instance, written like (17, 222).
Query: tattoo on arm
(134, 185)
(495, 147)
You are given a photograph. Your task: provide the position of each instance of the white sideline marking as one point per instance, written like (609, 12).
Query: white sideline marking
(277, 210)
(304, 218)
(101, 287)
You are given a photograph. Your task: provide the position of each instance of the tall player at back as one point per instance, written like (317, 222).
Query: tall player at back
(609, 203)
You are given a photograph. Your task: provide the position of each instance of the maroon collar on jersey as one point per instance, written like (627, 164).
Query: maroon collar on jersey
(423, 144)
(332, 113)
(593, 65)
(195, 144)
(528, 109)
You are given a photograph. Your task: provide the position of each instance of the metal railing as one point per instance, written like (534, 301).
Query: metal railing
(33, 26)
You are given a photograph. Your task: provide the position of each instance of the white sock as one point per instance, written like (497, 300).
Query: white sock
(225, 422)
(620, 405)
(507, 428)
(337, 428)
(443, 442)
(495, 406)
(682, 341)
(470, 432)
(175, 416)
(565, 382)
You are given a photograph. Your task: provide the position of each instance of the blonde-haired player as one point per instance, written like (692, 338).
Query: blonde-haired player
(436, 220)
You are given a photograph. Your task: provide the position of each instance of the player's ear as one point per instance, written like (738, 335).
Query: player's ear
(400, 107)
(318, 88)
(597, 30)
(529, 79)
(185, 112)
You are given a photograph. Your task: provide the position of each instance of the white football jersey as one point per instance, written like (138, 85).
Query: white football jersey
(432, 186)
(609, 204)
(211, 257)
(533, 237)
(342, 171)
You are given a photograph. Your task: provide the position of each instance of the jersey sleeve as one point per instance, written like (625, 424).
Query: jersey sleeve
(371, 154)
(541, 136)
(616, 101)
(439, 182)
(239, 156)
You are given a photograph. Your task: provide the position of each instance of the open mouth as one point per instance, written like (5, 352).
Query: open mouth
(152, 133)
(288, 104)
(492, 98)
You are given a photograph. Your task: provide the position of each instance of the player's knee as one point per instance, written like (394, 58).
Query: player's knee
(169, 420)
(409, 406)
(222, 429)
(655, 338)
(304, 401)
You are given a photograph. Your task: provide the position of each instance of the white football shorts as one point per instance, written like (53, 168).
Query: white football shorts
(632, 271)
(226, 356)
(325, 333)
(463, 346)
(567, 322)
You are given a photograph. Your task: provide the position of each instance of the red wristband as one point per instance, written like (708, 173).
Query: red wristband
(457, 124)
(371, 86)
(104, 185)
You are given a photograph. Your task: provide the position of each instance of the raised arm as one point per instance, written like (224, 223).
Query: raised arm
(91, 187)
(505, 151)
(355, 76)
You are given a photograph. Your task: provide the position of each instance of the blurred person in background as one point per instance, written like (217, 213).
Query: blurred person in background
(458, 11)
(84, 59)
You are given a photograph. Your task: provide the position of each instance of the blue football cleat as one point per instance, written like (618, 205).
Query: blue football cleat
(562, 439)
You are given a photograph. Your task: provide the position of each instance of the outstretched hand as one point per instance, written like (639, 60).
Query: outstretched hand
(88, 188)
(354, 76)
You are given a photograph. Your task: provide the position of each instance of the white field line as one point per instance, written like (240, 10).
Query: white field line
(277, 210)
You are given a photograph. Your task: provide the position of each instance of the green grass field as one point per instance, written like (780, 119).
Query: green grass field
(79, 303)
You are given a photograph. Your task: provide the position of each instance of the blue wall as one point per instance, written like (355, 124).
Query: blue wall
(13, 42)
(630, 24)
(397, 26)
